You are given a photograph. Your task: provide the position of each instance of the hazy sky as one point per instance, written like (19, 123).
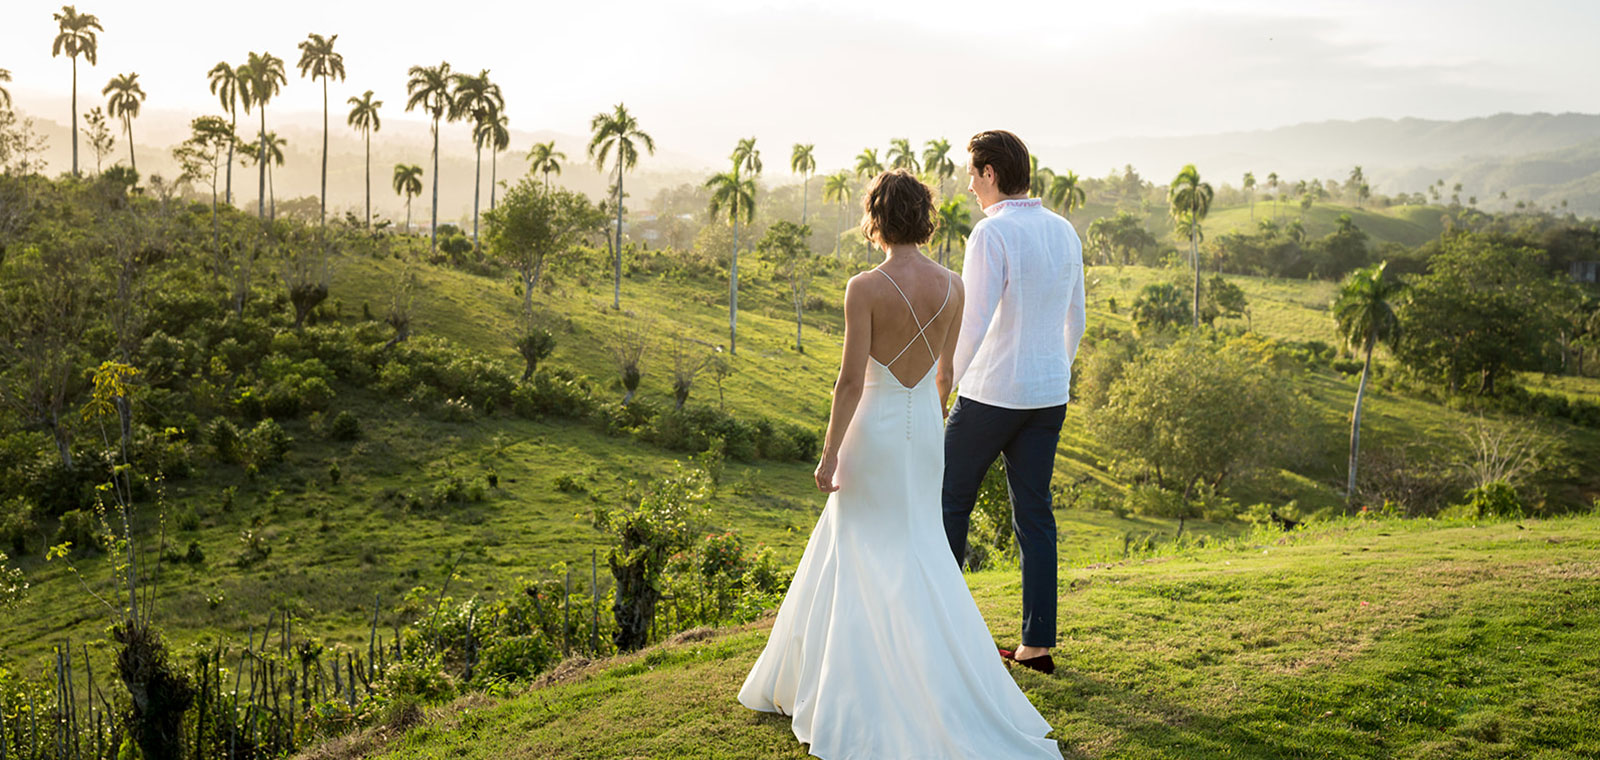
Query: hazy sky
(701, 74)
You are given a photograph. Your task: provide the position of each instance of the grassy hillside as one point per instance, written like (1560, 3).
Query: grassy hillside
(1407, 225)
(335, 546)
(1354, 639)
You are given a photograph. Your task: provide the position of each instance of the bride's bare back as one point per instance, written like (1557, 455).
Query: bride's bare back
(915, 310)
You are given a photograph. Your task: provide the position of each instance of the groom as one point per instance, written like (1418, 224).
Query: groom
(1020, 329)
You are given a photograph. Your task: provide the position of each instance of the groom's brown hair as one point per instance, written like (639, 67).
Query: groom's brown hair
(1007, 154)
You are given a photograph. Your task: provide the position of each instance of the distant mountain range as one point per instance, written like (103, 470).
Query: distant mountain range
(1538, 157)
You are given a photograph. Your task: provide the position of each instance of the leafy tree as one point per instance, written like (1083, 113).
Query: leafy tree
(1365, 311)
(43, 320)
(687, 363)
(408, 182)
(618, 131)
(229, 87)
(319, 61)
(1486, 308)
(75, 36)
(955, 221)
(1190, 200)
(1345, 248)
(428, 87)
(803, 163)
(544, 160)
(902, 156)
(261, 78)
(836, 189)
(663, 523)
(1120, 236)
(101, 140)
(936, 160)
(787, 245)
(1160, 306)
(1194, 413)
(535, 224)
(201, 156)
(126, 95)
(1224, 298)
(364, 117)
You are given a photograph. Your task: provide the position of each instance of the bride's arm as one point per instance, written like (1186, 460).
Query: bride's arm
(946, 378)
(852, 375)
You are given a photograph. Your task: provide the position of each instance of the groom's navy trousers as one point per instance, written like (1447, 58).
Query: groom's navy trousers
(974, 435)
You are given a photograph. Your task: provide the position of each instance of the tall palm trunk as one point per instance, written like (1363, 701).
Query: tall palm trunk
(494, 174)
(616, 286)
(433, 244)
(408, 213)
(74, 115)
(127, 126)
(369, 177)
(233, 127)
(805, 199)
(1194, 254)
(838, 231)
(272, 192)
(323, 207)
(477, 191)
(1355, 424)
(733, 280)
(261, 161)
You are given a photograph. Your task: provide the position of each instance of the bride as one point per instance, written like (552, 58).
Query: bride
(878, 651)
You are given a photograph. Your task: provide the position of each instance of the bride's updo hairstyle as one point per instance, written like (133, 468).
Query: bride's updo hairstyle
(899, 209)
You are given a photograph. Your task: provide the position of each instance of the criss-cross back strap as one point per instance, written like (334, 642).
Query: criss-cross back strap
(922, 329)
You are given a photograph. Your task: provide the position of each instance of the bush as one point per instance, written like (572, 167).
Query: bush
(424, 681)
(721, 554)
(345, 427)
(224, 439)
(267, 443)
(516, 657)
(553, 393)
(1497, 499)
(17, 525)
(81, 529)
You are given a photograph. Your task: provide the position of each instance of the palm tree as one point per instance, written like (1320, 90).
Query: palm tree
(936, 159)
(867, 167)
(364, 116)
(836, 188)
(5, 95)
(735, 193)
(1250, 192)
(496, 133)
(261, 78)
(126, 95)
(801, 162)
(75, 37)
(273, 145)
(746, 157)
(1065, 193)
(480, 99)
(1366, 316)
(617, 131)
(408, 182)
(429, 87)
(318, 60)
(1040, 178)
(1272, 182)
(955, 219)
(545, 159)
(901, 156)
(226, 84)
(1189, 200)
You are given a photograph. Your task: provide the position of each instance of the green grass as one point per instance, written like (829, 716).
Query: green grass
(1355, 639)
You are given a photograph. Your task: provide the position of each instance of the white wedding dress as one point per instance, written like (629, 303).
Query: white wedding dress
(878, 651)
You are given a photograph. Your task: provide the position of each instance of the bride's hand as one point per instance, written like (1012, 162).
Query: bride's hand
(825, 472)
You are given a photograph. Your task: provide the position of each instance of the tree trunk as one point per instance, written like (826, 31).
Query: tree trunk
(1355, 427)
(805, 198)
(59, 433)
(369, 177)
(799, 304)
(616, 287)
(408, 213)
(477, 188)
(433, 243)
(74, 115)
(233, 126)
(272, 193)
(733, 285)
(494, 174)
(127, 123)
(323, 208)
(261, 164)
(1194, 253)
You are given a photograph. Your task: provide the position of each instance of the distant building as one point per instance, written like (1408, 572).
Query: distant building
(1586, 271)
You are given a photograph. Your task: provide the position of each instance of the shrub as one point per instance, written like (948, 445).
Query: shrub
(17, 524)
(254, 551)
(516, 657)
(566, 482)
(81, 529)
(421, 680)
(721, 554)
(187, 520)
(1496, 499)
(553, 393)
(346, 427)
(267, 443)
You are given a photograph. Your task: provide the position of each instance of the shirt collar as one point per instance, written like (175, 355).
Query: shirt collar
(1013, 203)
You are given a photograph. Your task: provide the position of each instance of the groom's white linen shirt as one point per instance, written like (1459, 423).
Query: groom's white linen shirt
(1024, 312)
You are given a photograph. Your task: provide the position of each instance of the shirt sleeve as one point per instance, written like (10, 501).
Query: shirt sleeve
(983, 272)
(1077, 311)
